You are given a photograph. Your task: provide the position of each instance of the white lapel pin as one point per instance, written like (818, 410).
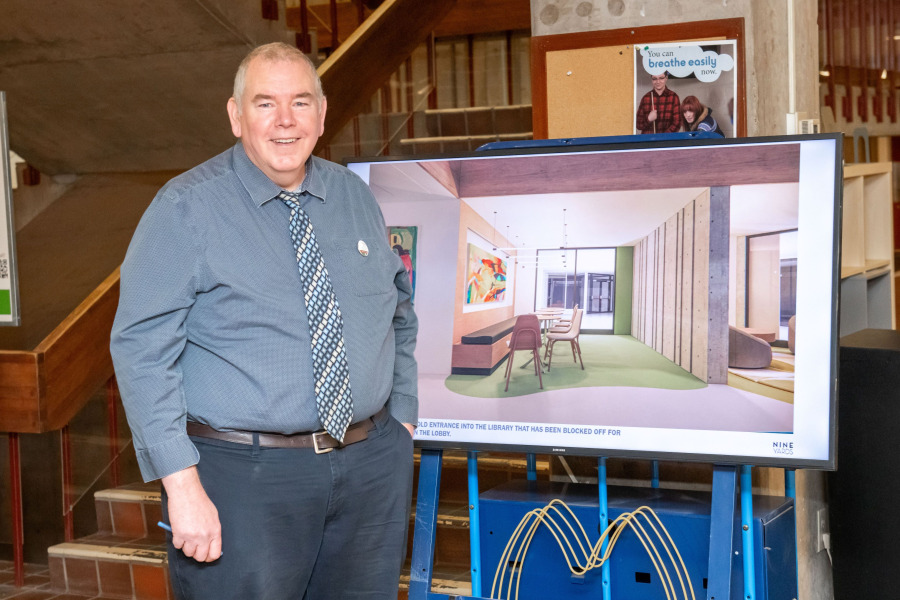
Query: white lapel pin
(363, 249)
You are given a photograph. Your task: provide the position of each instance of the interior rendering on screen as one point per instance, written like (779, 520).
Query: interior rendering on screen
(671, 300)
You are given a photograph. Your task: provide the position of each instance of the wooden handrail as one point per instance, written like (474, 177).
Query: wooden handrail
(364, 61)
(42, 389)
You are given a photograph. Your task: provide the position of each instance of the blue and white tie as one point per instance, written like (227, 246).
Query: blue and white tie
(334, 402)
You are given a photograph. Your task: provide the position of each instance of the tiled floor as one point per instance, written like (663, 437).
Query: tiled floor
(37, 584)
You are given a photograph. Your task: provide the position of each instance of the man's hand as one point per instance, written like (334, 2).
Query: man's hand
(651, 116)
(193, 517)
(410, 428)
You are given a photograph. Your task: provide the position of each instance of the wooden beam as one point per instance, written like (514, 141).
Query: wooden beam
(485, 16)
(376, 49)
(466, 17)
(443, 173)
(617, 171)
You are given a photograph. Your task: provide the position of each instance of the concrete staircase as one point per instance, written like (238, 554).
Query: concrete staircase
(126, 558)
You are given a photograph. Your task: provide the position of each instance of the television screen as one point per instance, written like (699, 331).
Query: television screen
(671, 299)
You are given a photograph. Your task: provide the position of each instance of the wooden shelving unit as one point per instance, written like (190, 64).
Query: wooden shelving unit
(867, 260)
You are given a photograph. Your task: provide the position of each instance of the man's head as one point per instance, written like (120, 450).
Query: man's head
(659, 82)
(278, 111)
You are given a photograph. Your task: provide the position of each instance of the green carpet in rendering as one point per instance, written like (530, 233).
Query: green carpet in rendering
(609, 360)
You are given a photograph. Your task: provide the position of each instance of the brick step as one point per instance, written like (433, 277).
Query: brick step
(126, 558)
(107, 566)
(130, 511)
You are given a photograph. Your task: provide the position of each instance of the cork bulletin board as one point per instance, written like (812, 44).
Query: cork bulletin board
(583, 83)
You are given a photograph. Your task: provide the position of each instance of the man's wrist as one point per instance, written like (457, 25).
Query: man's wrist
(182, 481)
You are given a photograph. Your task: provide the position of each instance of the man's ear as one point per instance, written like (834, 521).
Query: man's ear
(234, 115)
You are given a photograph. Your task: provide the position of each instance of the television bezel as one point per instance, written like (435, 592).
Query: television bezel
(650, 142)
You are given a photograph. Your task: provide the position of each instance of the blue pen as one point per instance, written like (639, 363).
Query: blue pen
(168, 528)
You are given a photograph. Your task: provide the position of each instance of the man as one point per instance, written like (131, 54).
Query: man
(660, 109)
(260, 303)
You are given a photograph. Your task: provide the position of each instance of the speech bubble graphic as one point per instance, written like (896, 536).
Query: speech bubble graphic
(681, 61)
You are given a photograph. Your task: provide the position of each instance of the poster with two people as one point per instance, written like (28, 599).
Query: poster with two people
(685, 87)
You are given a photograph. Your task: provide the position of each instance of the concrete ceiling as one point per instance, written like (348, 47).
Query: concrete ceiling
(124, 86)
(142, 86)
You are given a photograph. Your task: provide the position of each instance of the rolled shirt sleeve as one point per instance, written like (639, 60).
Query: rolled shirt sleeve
(159, 279)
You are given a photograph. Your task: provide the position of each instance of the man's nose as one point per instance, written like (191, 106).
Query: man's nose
(285, 116)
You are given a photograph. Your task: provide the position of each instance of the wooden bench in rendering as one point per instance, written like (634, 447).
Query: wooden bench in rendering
(481, 352)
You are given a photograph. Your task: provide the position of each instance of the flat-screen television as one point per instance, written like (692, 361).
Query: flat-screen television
(684, 293)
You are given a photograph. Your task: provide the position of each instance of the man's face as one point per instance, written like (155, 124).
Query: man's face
(280, 119)
(659, 82)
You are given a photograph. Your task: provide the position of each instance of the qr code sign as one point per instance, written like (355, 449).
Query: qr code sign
(4, 268)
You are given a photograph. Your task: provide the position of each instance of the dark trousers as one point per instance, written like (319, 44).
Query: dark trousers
(296, 525)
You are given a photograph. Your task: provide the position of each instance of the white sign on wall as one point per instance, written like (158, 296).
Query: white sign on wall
(9, 290)
(689, 86)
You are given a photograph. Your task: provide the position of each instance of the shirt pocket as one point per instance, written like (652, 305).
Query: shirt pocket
(366, 266)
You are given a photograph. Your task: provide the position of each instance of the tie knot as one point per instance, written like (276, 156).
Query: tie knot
(292, 199)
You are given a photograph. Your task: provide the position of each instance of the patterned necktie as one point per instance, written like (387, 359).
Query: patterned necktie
(326, 327)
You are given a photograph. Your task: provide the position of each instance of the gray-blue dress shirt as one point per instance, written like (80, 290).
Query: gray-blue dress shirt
(211, 323)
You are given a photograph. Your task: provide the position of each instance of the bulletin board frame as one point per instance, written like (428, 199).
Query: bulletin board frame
(605, 95)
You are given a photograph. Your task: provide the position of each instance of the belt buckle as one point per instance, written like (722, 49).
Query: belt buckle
(316, 448)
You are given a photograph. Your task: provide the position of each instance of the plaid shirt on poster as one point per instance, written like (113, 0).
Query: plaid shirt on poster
(668, 112)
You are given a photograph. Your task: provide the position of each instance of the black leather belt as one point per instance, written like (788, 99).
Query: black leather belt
(320, 441)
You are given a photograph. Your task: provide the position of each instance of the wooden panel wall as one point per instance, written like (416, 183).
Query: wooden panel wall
(680, 306)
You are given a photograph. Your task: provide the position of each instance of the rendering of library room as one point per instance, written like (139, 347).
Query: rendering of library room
(651, 296)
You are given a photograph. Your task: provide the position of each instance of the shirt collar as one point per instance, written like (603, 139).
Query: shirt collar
(262, 189)
(313, 182)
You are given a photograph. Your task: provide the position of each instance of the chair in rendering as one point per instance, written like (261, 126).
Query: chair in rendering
(526, 335)
(563, 325)
(570, 335)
